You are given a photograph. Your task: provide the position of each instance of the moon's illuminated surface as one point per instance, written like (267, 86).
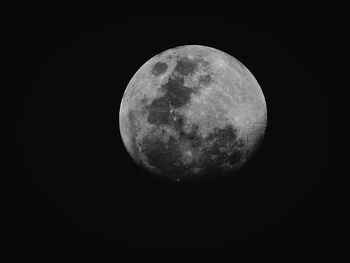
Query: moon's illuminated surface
(191, 112)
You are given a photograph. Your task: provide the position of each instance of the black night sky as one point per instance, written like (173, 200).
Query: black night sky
(74, 194)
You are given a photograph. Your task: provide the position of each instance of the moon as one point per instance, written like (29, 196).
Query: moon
(192, 112)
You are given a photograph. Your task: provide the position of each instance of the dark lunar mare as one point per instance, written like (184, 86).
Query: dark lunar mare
(158, 112)
(164, 156)
(185, 66)
(176, 94)
(193, 137)
(219, 147)
(223, 146)
(159, 68)
(205, 80)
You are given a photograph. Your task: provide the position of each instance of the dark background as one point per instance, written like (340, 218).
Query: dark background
(74, 194)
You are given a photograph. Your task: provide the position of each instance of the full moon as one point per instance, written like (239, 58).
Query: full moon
(192, 112)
